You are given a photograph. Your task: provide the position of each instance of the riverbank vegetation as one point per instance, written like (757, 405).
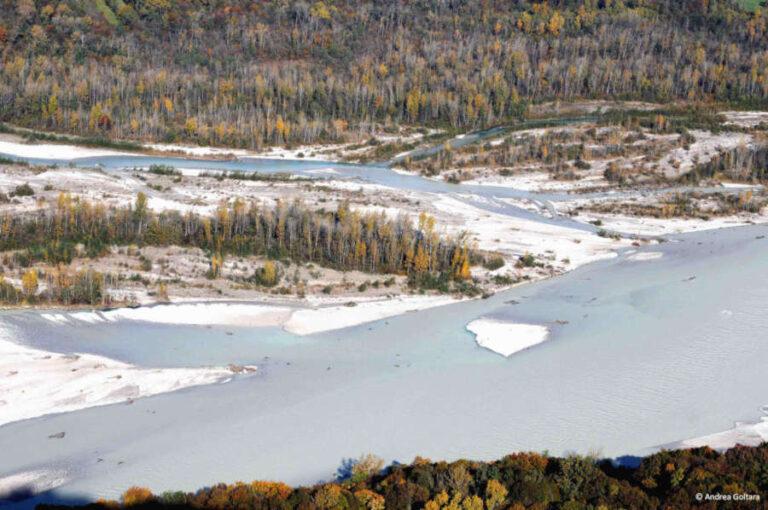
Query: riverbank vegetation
(59, 285)
(561, 152)
(742, 163)
(684, 205)
(668, 479)
(245, 74)
(342, 239)
(621, 148)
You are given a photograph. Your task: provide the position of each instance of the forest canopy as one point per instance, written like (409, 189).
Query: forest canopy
(668, 479)
(255, 73)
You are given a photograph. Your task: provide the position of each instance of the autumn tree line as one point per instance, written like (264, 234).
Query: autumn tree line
(342, 239)
(58, 285)
(250, 74)
(668, 479)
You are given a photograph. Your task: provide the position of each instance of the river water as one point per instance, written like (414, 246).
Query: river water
(644, 353)
(641, 354)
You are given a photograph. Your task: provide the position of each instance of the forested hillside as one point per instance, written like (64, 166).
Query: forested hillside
(253, 73)
(669, 479)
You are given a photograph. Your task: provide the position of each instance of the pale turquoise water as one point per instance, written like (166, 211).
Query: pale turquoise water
(647, 357)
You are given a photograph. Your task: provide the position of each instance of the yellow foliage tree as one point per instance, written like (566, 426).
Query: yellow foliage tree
(329, 497)
(465, 273)
(271, 489)
(472, 503)
(370, 499)
(191, 126)
(320, 10)
(421, 260)
(29, 282)
(217, 260)
(556, 23)
(412, 104)
(137, 496)
(269, 271)
(495, 494)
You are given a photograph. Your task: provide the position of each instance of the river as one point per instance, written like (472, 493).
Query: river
(644, 353)
(641, 354)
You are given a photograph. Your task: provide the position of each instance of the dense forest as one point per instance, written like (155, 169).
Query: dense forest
(253, 73)
(669, 479)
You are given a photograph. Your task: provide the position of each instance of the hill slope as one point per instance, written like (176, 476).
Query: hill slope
(241, 73)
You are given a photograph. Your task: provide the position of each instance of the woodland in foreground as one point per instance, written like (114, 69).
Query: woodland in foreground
(668, 479)
(249, 74)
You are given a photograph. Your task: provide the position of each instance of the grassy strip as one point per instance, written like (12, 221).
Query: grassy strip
(255, 176)
(85, 141)
(106, 11)
(751, 5)
(9, 161)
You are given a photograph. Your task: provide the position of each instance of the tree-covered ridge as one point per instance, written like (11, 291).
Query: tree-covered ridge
(669, 479)
(245, 73)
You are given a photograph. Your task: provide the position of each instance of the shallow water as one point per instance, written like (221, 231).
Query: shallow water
(649, 355)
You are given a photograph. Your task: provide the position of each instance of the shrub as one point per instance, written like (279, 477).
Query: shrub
(268, 275)
(504, 279)
(163, 170)
(582, 165)
(526, 260)
(23, 190)
(496, 262)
